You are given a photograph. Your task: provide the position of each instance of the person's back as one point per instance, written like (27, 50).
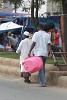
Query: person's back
(25, 47)
(42, 39)
(42, 45)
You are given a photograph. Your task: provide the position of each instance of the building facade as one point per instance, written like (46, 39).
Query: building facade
(50, 7)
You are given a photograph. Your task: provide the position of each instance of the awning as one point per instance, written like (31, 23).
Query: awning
(9, 26)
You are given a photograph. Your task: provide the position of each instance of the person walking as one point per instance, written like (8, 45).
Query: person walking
(23, 49)
(42, 47)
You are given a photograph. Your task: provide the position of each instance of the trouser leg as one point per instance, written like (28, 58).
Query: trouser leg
(42, 79)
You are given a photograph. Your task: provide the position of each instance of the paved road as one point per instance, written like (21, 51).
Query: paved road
(16, 89)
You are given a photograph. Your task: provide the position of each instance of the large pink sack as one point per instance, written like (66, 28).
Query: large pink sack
(32, 64)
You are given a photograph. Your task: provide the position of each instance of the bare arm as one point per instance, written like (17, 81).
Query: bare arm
(49, 50)
(32, 46)
(19, 48)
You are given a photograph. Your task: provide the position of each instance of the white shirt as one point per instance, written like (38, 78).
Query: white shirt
(42, 39)
(24, 48)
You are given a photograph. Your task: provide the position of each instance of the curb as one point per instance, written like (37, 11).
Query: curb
(12, 71)
(9, 62)
(53, 76)
(62, 81)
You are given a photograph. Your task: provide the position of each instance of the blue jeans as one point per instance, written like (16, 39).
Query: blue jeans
(42, 79)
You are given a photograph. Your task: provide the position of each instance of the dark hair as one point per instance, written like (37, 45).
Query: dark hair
(51, 25)
(48, 26)
(41, 25)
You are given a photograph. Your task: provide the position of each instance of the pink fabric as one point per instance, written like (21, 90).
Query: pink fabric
(32, 64)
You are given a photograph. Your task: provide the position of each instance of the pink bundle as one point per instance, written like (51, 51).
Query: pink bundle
(32, 64)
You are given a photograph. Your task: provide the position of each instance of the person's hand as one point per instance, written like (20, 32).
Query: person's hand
(50, 55)
(29, 54)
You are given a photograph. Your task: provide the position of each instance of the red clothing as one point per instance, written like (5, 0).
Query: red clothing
(56, 38)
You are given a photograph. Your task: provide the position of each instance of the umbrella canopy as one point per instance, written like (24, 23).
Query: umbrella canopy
(9, 26)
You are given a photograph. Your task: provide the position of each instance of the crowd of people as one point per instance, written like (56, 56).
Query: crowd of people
(9, 42)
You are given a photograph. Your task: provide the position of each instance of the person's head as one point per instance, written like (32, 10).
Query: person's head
(40, 26)
(9, 33)
(26, 34)
(55, 30)
(51, 27)
(46, 28)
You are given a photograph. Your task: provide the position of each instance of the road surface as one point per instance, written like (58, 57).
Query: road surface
(16, 89)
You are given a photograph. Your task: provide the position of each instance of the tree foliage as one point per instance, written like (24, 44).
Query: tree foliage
(40, 2)
(65, 1)
(16, 3)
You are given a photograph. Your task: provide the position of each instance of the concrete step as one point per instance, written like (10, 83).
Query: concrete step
(53, 76)
(15, 71)
(15, 63)
(62, 81)
(56, 78)
(12, 71)
(9, 62)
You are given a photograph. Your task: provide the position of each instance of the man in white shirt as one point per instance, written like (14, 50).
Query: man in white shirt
(42, 46)
(23, 49)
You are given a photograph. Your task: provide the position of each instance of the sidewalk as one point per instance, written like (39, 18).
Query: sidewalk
(53, 76)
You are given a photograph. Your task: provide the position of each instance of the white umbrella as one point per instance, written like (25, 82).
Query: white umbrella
(9, 26)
